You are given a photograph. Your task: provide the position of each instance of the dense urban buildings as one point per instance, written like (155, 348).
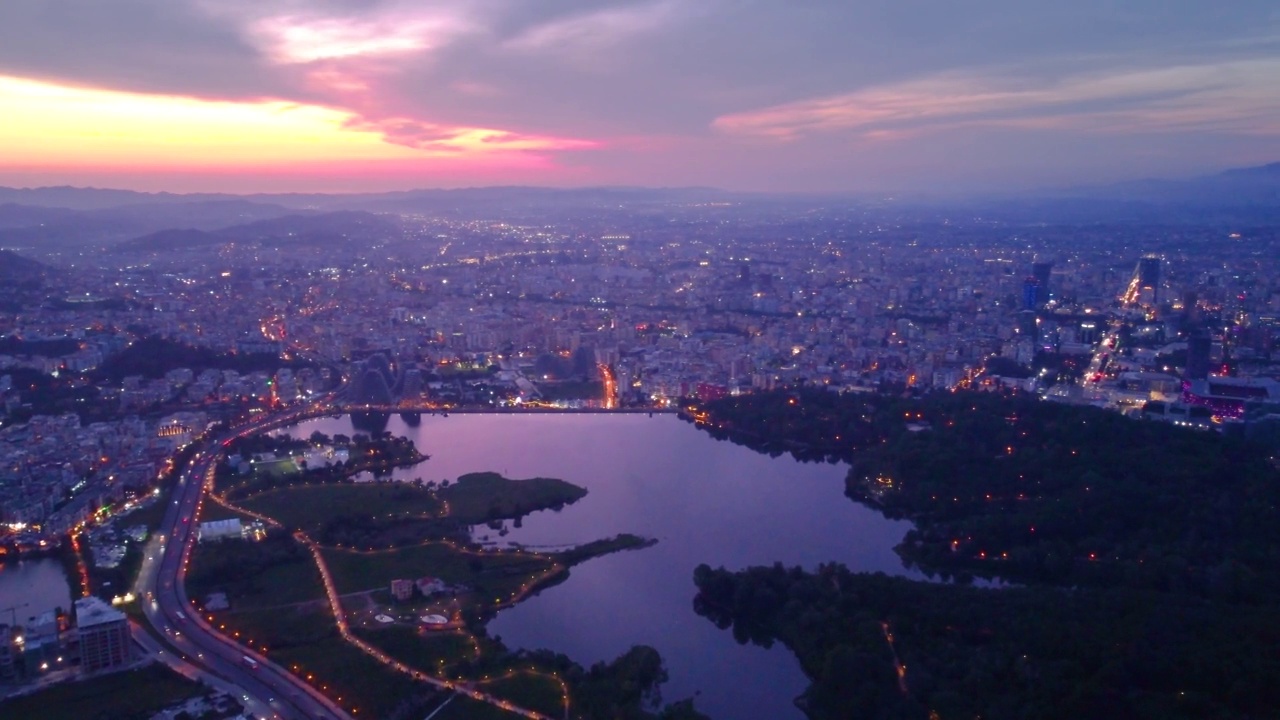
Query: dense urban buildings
(122, 362)
(149, 345)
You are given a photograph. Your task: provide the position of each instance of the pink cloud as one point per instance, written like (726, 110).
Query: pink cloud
(1232, 96)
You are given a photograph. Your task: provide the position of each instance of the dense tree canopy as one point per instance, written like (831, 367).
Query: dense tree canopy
(1146, 559)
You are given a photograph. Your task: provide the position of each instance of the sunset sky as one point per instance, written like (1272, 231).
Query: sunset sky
(801, 95)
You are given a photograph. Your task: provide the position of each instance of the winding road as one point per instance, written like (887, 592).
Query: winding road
(266, 690)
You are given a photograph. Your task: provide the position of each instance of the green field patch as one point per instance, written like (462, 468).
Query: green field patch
(431, 652)
(309, 507)
(483, 496)
(280, 628)
(275, 571)
(134, 694)
(493, 575)
(532, 691)
(342, 670)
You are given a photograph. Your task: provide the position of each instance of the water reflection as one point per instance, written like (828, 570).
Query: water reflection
(705, 500)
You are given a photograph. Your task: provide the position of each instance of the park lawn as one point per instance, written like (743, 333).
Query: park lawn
(483, 496)
(284, 467)
(426, 651)
(363, 683)
(539, 693)
(310, 506)
(286, 584)
(121, 696)
(279, 629)
(493, 575)
(255, 574)
(279, 585)
(278, 468)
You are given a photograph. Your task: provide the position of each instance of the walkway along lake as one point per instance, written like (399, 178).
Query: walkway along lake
(704, 500)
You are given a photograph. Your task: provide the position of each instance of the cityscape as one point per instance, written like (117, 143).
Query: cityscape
(395, 362)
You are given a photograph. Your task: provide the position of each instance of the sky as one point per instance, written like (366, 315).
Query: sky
(859, 96)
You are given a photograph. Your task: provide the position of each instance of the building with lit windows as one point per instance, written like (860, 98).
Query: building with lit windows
(104, 637)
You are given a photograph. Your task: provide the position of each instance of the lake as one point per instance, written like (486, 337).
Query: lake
(706, 501)
(32, 587)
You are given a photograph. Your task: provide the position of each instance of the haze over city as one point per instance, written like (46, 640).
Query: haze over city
(872, 96)
(639, 360)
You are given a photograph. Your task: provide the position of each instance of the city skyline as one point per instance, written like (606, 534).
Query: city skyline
(866, 97)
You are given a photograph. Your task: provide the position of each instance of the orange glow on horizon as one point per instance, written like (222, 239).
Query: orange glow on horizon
(53, 126)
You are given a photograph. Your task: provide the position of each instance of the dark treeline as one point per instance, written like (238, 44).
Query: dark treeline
(378, 453)
(1148, 556)
(10, 345)
(996, 654)
(154, 356)
(1040, 492)
(238, 567)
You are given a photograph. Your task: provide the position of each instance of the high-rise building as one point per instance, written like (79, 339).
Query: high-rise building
(1043, 272)
(1199, 348)
(104, 635)
(1149, 276)
(1030, 293)
(1028, 324)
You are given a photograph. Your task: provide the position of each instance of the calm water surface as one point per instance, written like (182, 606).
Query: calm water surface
(704, 500)
(32, 587)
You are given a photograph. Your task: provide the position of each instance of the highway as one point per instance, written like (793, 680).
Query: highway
(266, 690)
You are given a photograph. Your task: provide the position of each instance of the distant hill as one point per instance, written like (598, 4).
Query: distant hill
(66, 215)
(342, 228)
(1231, 188)
(1239, 197)
(170, 240)
(16, 267)
(86, 199)
(19, 216)
(315, 228)
(45, 227)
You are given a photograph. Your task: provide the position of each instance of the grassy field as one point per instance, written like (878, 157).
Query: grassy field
(492, 575)
(432, 652)
(532, 692)
(362, 683)
(136, 694)
(310, 506)
(283, 467)
(280, 629)
(283, 585)
(277, 571)
(477, 497)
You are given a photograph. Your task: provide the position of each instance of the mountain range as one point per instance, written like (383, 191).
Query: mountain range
(51, 218)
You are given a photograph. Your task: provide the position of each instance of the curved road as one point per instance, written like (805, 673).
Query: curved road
(267, 690)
